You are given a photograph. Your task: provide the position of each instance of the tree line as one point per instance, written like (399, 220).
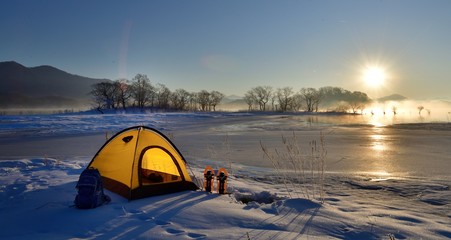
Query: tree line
(266, 98)
(141, 93)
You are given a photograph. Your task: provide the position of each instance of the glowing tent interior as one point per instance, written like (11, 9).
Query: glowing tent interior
(139, 162)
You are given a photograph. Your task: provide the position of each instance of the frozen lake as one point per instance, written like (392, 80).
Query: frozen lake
(381, 147)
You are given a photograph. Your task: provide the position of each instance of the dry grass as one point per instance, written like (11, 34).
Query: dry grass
(301, 170)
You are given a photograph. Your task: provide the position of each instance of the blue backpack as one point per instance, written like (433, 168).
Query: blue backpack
(90, 190)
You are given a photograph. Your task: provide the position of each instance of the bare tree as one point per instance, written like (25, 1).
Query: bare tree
(203, 98)
(162, 94)
(250, 99)
(262, 95)
(179, 99)
(273, 102)
(296, 103)
(141, 90)
(357, 101)
(123, 92)
(215, 98)
(192, 101)
(104, 95)
(355, 106)
(420, 108)
(284, 97)
(312, 98)
(97, 96)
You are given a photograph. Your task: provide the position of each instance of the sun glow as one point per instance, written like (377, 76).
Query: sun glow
(374, 76)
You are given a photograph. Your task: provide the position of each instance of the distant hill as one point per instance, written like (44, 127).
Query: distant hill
(232, 103)
(231, 98)
(42, 86)
(393, 97)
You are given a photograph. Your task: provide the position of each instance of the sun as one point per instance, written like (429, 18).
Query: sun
(374, 76)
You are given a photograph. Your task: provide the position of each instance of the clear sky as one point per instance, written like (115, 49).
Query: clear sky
(235, 45)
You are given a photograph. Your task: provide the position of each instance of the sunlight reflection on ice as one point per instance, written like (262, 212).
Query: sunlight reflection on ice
(378, 147)
(377, 124)
(382, 175)
(378, 142)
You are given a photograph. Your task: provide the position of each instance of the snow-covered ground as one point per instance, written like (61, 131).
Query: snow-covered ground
(381, 181)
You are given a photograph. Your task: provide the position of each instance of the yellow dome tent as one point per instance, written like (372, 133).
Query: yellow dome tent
(139, 162)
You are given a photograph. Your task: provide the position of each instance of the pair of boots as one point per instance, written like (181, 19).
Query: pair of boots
(221, 179)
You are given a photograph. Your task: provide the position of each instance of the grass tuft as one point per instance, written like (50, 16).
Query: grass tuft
(301, 170)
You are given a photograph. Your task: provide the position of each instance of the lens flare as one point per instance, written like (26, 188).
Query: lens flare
(374, 76)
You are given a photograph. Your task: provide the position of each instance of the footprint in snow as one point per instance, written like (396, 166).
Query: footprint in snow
(162, 223)
(408, 219)
(196, 235)
(174, 231)
(444, 233)
(332, 199)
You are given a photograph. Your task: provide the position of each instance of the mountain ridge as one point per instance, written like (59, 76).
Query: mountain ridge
(44, 85)
(392, 97)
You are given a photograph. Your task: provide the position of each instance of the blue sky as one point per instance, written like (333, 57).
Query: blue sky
(233, 46)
